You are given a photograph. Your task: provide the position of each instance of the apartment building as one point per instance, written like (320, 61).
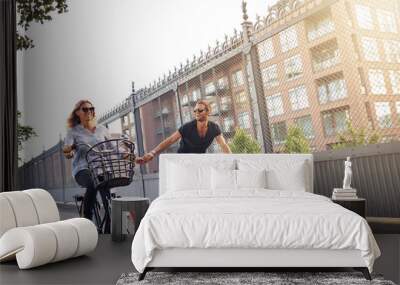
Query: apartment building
(315, 64)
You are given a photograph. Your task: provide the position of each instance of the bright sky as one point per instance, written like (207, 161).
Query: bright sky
(96, 49)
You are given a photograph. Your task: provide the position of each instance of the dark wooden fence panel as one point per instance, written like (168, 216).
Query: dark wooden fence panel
(376, 176)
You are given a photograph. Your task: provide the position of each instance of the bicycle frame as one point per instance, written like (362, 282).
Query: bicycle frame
(106, 162)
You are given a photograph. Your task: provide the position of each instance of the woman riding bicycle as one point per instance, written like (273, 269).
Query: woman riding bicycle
(82, 129)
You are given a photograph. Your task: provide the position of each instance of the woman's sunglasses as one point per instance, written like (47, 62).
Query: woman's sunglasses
(85, 109)
(198, 110)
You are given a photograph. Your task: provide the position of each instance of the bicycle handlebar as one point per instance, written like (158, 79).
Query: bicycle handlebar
(75, 146)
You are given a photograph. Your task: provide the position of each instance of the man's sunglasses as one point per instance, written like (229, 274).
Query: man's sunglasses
(85, 109)
(198, 110)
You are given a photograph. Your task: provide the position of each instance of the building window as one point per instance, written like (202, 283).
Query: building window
(164, 111)
(383, 114)
(305, 124)
(370, 48)
(225, 100)
(265, 50)
(214, 108)
(228, 124)
(335, 121)
(377, 81)
(237, 78)
(293, 67)
(248, 71)
(364, 17)
(222, 83)
(333, 90)
(395, 81)
(298, 98)
(124, 120)
(392, 50)
(288, 39)
(185, 100)
(369, 115)
(319, 28)
(225, 103)
(274, 105)
(326, 56)
(196, 95)
(270, 76)
(241, 97)
(186, 117)
(279, 132)
(130, 114)
(244, 120)
(209, 88)
(387, 21)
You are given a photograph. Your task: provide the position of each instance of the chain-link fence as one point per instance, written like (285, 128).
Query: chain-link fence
(310, 76)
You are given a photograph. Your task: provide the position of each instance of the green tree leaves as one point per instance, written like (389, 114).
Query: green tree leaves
(296, 142)
(244, 143)
(356, 137)
(37, 11)
(24, 133)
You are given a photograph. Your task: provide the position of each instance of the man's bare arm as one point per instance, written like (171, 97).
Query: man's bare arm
(167, 143)
(160, 147)
(222, 143)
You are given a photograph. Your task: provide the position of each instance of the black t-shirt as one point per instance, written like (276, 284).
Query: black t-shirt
(191, 142)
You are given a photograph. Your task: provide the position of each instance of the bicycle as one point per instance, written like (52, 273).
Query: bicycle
(100, 222)
(111, 164)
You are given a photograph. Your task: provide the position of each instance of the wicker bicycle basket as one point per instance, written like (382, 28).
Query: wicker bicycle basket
(111, 163)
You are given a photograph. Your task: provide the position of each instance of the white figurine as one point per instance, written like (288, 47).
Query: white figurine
(347, 174)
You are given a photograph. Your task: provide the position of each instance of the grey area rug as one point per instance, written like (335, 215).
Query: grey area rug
(273, 278)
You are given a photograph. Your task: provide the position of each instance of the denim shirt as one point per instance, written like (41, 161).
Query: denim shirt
(79, 134)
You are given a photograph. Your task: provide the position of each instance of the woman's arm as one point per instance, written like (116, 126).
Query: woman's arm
(222, 143)
(161, 147)
(68, 149)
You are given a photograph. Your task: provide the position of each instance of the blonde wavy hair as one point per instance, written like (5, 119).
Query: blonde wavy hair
(73, 118)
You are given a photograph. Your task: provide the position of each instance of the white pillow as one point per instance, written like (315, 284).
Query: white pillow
(223, 179)
(292, 178)
(251, 178)
(182, 177)
(281, 174)
(193, 175)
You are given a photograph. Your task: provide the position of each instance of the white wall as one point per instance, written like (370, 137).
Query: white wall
(96, 49)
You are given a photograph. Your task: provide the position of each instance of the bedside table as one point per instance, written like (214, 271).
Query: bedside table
(358, 205)
(136, 206)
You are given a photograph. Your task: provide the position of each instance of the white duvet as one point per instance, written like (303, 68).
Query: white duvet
(253, 218)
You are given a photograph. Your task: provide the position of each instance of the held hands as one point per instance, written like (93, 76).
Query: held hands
(145, 158)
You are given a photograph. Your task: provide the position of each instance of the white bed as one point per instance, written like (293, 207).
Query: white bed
(202, 220)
